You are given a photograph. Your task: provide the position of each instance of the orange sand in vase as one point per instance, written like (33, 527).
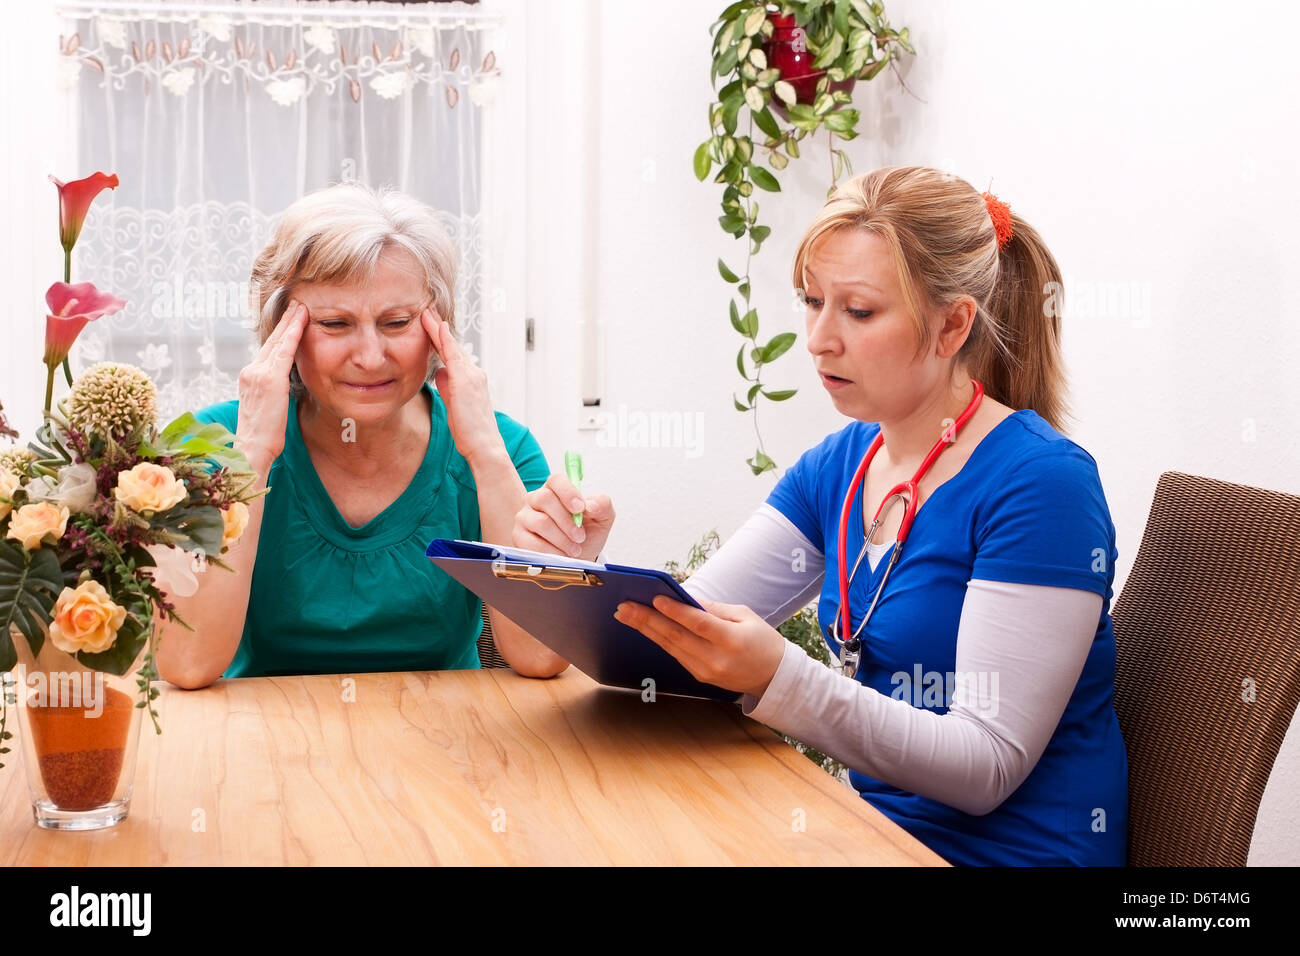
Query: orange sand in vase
(81, 756)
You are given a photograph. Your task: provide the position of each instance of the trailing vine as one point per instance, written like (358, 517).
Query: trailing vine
(849, 40)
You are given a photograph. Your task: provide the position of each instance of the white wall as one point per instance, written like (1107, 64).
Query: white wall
(1146, 145)
(1155, 152)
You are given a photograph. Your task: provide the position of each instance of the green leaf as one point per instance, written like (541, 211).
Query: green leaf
(743, 289)
(830, 52)
(841, 16)
(753, 390)
(749, 324)
(740, 363)
(726, 62)
(754, 21)
(767, 78)
(30, 583)
(739, 407)
(792, 147)
(727, 274)
(842, 121)
(735, 318)
(763, 179)
(760, 463)
(779, 345)
(703, 162)
(785, 90)
(778, 160)
(765, 121)
(730, 110)
(732, 224)
(867, 14)
(873, 71)
(186, 435)
(746, 189)
(758, 58)
(824, 104)
(759, 233)
(754, 98)
(802, 116)
(780, 395)
(191, 528)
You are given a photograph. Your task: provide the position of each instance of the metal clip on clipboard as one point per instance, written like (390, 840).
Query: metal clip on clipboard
(561, 577)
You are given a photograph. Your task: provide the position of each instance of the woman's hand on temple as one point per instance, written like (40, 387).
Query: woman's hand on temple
(264, 390)
(463, 387)
(545, 523)
(727, 645)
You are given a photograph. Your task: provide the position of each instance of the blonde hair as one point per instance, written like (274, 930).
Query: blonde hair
(337, 234)
(942, 241)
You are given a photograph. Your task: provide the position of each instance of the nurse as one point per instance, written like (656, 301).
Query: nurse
(975, 708)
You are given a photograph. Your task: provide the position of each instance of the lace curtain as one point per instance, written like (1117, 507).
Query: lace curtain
(216, 117)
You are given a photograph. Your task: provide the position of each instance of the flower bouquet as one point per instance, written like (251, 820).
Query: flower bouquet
(102, 516)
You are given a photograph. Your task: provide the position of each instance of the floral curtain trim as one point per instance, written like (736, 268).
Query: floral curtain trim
(182, 52)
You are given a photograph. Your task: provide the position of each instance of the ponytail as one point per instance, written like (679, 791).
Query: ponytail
(1014, 349)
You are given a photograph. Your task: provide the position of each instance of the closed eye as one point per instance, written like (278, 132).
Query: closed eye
(859, 313)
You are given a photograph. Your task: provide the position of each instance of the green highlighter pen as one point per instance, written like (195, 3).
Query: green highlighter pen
(573, 469)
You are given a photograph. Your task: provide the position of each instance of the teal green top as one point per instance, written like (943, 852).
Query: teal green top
(327, 598)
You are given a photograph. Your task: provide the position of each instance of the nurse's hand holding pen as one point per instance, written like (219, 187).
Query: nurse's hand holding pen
(727, 645)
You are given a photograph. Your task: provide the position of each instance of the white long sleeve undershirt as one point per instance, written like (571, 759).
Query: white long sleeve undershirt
(1033, 638)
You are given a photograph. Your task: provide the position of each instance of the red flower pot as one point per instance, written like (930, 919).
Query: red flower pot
(787, 51)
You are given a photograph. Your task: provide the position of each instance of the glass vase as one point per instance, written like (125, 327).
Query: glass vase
(78, 730)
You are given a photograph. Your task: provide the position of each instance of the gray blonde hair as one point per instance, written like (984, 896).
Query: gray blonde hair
(337, 234)
(944, 246)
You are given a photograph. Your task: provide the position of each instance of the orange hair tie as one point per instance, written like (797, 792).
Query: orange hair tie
(1000, 213)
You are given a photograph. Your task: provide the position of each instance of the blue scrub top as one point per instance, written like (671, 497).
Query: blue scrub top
(1026, 507)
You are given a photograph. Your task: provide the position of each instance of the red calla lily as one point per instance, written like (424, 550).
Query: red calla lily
(71, 307)
(74, 202)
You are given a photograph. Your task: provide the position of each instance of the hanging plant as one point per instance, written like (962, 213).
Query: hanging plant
(787, 71)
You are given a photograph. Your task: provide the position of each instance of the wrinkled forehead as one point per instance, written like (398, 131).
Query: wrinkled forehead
(852, 259)
(394, 282)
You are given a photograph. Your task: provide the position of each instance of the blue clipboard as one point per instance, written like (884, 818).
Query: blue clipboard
(569, 606)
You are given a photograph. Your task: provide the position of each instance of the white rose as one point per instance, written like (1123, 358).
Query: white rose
(77, 487)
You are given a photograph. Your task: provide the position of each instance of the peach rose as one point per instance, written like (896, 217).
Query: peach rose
(31, 523)
(235, 520)
(150, 487)
(8, 485)
(85, 619)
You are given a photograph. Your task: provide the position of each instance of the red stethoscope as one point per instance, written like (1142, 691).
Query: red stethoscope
(851, 650)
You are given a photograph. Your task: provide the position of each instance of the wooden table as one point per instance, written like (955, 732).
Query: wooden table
(462, 767)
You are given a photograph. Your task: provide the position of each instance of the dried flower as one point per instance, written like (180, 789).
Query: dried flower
(17, 459)
(112, 399)
(8, 485)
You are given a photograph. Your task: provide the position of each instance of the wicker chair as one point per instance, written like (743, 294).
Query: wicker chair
(1207, 677)
(488, 654)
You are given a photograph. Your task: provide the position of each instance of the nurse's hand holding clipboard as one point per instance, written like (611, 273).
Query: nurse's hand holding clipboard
(729, 646)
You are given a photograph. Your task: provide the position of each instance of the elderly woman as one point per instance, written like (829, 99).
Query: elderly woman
(365, 462)
(961, 546)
